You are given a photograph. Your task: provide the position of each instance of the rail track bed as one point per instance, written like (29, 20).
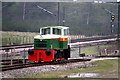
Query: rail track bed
(21, 65)
(108, 56)
(18, 64)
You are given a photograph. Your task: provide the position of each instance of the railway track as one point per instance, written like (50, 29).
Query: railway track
(108, 56)
(92, 39)
(7, 47)
(6, 63)
(20, 65)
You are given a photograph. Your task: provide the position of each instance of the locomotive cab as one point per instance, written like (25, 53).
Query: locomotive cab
(51, 44)
(56, 31)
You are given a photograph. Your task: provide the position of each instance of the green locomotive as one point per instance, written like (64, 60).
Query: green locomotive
(50, 45)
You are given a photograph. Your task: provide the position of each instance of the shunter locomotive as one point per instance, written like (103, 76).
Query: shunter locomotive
(50, 45)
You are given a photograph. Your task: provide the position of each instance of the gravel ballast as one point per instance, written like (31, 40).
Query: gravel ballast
(20, 73)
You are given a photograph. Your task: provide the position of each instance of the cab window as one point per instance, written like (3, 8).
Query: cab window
(56, 31)
(45, 31)
(66, 31)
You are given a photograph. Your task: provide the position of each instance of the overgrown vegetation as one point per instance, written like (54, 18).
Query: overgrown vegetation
(9, 38)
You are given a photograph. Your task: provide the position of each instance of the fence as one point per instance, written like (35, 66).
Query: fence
(17, 37)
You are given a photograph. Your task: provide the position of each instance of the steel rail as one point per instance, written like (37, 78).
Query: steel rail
(16, 46)
(19, 66)
(92, 39)
(70, 60)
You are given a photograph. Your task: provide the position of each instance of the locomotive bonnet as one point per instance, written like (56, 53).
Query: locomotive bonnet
(50, 45)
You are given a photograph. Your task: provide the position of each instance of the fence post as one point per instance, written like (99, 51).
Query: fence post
(79, 51)
(11, 58)
(15, 39)
(32, 40)
(14, 53)
(17, 36)
(99, 52)
(6, 53)
(24, 57)
(9, 40)
(26, 40)
(23, 39)
(105, 51)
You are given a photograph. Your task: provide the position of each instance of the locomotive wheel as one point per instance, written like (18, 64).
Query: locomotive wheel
(30, 51)
(48, 52)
